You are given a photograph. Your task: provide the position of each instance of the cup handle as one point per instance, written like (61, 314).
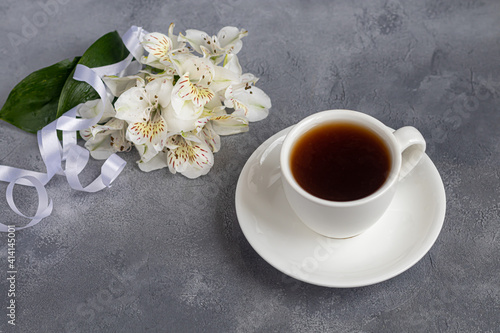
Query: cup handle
(412, 146)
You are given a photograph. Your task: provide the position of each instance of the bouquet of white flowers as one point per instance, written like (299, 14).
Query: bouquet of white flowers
(166, 95)
(174, 108)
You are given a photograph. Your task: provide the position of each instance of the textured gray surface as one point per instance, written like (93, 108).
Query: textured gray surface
(161, 253)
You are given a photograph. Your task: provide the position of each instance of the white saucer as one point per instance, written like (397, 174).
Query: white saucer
(395, 243)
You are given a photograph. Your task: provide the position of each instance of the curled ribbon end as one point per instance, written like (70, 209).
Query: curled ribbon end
(45, 205)
(111, 169)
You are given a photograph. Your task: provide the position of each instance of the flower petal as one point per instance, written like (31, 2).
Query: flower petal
(177, 46)
(152, 61)
(250, 102)
(100, 147)
(153, 131)
(229, 124)
(177, 123)
(196, 38)
(230, 39)
(200, 123)
(147, 152)
(104, 140)
(132, 105)
(223, 78)
(159, 161)
(159, 90)
(210, 137)
(158, 45)
(231, 63)
(92, 108)
(118, 85)
(214, 107)
(113, 125)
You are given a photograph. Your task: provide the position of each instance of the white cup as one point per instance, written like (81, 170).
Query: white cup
(344, 219)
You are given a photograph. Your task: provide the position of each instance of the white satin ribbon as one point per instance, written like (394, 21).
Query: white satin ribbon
(75, 157)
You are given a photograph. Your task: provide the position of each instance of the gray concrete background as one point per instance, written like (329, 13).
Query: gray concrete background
(161, 253)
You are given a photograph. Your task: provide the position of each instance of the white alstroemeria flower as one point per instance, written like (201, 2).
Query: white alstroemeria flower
(227, 41)
(247, 100)
(105, 140)
(203, 72)
(186, 120)
(161, 48)
(151, 160)
(141, 108)
(192, 90)
(190, 158)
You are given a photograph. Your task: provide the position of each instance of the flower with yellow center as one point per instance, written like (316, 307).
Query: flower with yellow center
(161, 48)
(190, 158)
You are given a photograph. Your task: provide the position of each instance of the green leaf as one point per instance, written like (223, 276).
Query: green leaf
(33, 102)
(46, 94)
(107, 50)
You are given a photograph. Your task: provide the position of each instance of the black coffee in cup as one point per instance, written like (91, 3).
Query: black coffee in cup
(340, 161)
